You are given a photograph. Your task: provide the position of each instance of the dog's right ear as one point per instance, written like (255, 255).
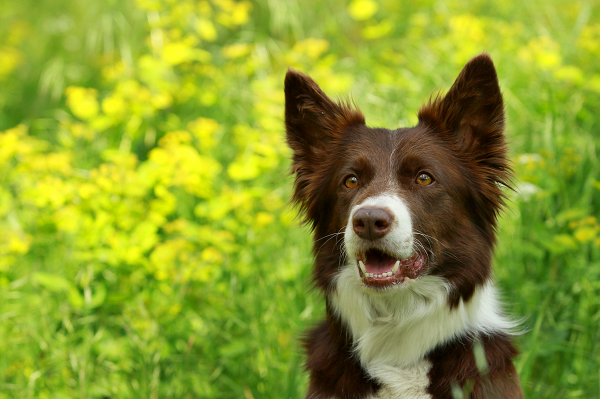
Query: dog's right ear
(312, 119)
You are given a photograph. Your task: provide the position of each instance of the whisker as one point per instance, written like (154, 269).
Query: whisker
(428, 253)
(328, 235)
(428, 236)
(332, 235)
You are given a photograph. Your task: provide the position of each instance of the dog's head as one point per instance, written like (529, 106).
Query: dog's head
(409, 202)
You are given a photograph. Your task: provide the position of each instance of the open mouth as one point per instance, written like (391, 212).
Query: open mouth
(378, 269)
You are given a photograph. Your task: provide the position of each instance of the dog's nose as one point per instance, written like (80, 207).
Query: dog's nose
(371, 223)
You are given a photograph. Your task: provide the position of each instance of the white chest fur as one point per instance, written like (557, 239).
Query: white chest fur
(403, 382)
(394, 330)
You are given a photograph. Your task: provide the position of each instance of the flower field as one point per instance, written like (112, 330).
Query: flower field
(147, 247)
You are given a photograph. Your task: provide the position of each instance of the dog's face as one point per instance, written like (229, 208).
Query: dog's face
(409, 202)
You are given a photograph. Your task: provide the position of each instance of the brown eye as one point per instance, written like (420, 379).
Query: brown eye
(351, 181)
(424, 179)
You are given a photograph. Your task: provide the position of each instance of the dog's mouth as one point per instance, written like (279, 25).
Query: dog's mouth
(379, 270)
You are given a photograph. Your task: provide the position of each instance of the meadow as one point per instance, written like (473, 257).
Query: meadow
(147, 247)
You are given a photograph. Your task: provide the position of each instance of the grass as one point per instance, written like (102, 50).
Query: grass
(146, 248)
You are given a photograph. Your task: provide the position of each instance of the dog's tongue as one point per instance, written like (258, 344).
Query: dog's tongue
(377, 262)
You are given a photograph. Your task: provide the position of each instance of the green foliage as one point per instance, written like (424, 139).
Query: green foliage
(146, 248)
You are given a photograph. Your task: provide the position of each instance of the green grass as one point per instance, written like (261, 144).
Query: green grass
(145, 252)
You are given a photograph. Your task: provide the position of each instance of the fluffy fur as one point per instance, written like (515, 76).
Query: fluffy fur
(435, 325)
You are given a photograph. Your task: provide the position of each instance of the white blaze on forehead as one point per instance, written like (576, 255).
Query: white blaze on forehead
(397, 242)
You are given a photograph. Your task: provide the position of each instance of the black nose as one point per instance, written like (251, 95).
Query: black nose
(371, 223)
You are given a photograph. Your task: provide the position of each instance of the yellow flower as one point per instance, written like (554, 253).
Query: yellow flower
(114, 105)
(264, 219)
(206, 29)
(67, 219)
(12, 244)
(590, 39)
(13, 141)
(204, 130)
(236, 50)
(10, 58)
(543, 52)
(585, 234)
(467, 27)
(82, 102)
(569, 74)
(378, 31)
(180, 52)
(175, 138)
(245, 168)
(59, 162)
(312, 47)
(162, 100)
(362, 10)
(234, 13)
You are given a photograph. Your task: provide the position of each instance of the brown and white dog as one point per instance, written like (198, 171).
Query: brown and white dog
(404, 223)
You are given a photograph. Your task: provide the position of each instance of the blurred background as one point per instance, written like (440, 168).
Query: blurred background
(147, 249)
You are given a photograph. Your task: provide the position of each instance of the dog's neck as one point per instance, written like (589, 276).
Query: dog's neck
(398, 328)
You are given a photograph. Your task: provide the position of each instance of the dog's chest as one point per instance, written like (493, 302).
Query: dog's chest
(409, 382)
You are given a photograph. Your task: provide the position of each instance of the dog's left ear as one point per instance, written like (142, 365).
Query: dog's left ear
(471, 114)
(312, 119)
(314, 123)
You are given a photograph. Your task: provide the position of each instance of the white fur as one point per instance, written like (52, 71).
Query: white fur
(404, 382)
(398, 327)
(398, 241)
(394, 329)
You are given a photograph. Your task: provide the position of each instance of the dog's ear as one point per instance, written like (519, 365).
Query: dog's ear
(312, 119)
(472, 111)
(313, 123)
(470, 117)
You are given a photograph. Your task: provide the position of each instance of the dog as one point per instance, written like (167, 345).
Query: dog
(404, 230)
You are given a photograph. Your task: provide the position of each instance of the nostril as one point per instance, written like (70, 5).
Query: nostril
(382, 224)
(359, 226)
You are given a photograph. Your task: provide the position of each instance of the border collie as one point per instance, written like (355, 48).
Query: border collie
(404, 223)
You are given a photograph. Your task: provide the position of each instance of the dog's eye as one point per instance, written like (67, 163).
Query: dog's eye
(351, 181)
(424, 179)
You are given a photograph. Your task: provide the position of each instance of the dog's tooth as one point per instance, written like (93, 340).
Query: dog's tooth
(396, 266)
(389, 274)
(362, 266)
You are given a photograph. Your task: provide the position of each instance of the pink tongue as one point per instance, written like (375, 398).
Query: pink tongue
(378, 262)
